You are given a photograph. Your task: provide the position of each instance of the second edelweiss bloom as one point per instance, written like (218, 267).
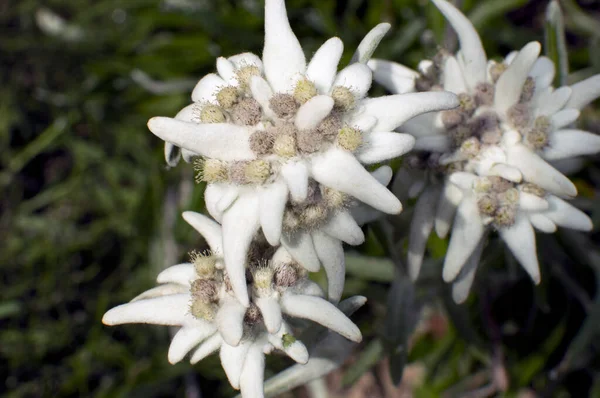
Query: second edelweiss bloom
(510, 124)
(277, 133)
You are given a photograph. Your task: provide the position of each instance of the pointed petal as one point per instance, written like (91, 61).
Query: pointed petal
(253, 372)
(207, 88)
(356, 77)
(364, 123)
(230, 321)
(566, 215)
(571, 143)
(271, 313)
(510, 83)
(466, 234)
(463, 180)
(230, 195)
(217, 140)
(296, 350)
(313, 112)
(212, 195)
(342, 226)
(187, 338)
(282, 55)
(548, 105)
(295, 175)
(165, 310)
(210, 345)
(520, 239)
(472, 52)
(331, 254)
(340, 170)
(182, 274)
(543, 72)
(240, 223)
(537, 171)
(453, 77)
(301, 248)
(246, 59)
(323, 66)
(393, 110)
(462, 284)
(564, 118)
(273, 199)
(396, 78)
(379, 146)
(232, 360)
(367, 46)
(530, 202)
(448, 202)
(262, 93)
(210, 230)
(505, 171)
(226, 69)
(542, 223)
(584, 92)
(322, 312)
(420, 228)
(162, 290)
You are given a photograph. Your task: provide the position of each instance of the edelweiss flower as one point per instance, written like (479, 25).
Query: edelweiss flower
(278, 138)
(509, 124)
(197, 296)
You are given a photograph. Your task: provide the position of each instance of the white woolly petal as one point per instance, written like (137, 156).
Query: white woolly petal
(466, 234)
(396, 78)
(262, 93)
(379, 146)
(369, 43)
(356, 77)
(162, 290)
(226, 69)
(281, 256)
(320, 311)
(210, 230)
(364, 214)
(447, 204)
(505, 171)
(207, 88)
(420, 228)
(463, 179)
(471, 50)
(539, 172)
(296, 350)
(510, 83)
(187, 338)
(528, 201)
(383, 175)
(165, 310)
(253, 372)
(295, 175)
(322, 68)
(424, 125)
(182, 274)
(210, 345)
(364, 123)
(393, 110)
(584, 92)
(186, 114)
(216, 140)
(232, 360)
(566, 215)
(331, 253)
(464, 281)
(542, 72)
(187, 155)
(313, 112)
(282, 55)
(172, 154)
(520, 239)
(340, 170)
(454, 80)
(271, 313)
(307, 287)
(301, 248)
(570, 143)
(273, 199)
(564, 118)
(246, 59)
(433, 143)
(342, 226)
(230, 320)
(230, 195)
(240, 223)
(542, 223)
(548, 105)
(212, 197)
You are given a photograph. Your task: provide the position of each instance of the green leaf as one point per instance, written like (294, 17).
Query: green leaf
(555, 42)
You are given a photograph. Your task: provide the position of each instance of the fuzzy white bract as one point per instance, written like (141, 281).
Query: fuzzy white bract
(281, 144)
(486, 163)
(198, 298)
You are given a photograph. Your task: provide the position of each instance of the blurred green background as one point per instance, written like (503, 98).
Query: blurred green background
(90, 214)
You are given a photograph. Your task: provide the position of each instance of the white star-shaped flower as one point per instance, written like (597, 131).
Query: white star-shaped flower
(197, 297)
(277, 132)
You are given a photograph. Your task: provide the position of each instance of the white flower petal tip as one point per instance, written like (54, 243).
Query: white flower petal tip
(210, 230)
(210, 345)
(510, 83)
(313, 112)
(187, 338)
(369, 43)
(216, 140)
(570, 143)
(393, 110)
(252, 377)
(356, 77)
(396, 78)
(322, 68)
(380, 146)
(232, 360)
(165, 310)
(331, 254)
(272, 206)
(584, 92)
(230, 321)
(342, 226)
(302, 249)
(271, 313)
(340, 170)
(283, 57)
(207, 87)
(322, 312)
(566, 215)
(182, 274)
(471, 50)
(462, 284)
(296, 178)
(453, 78)
(520, 239)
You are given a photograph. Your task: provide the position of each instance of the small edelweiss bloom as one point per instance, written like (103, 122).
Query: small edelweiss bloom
(510, 124)
(273, 136)
(198, 297)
